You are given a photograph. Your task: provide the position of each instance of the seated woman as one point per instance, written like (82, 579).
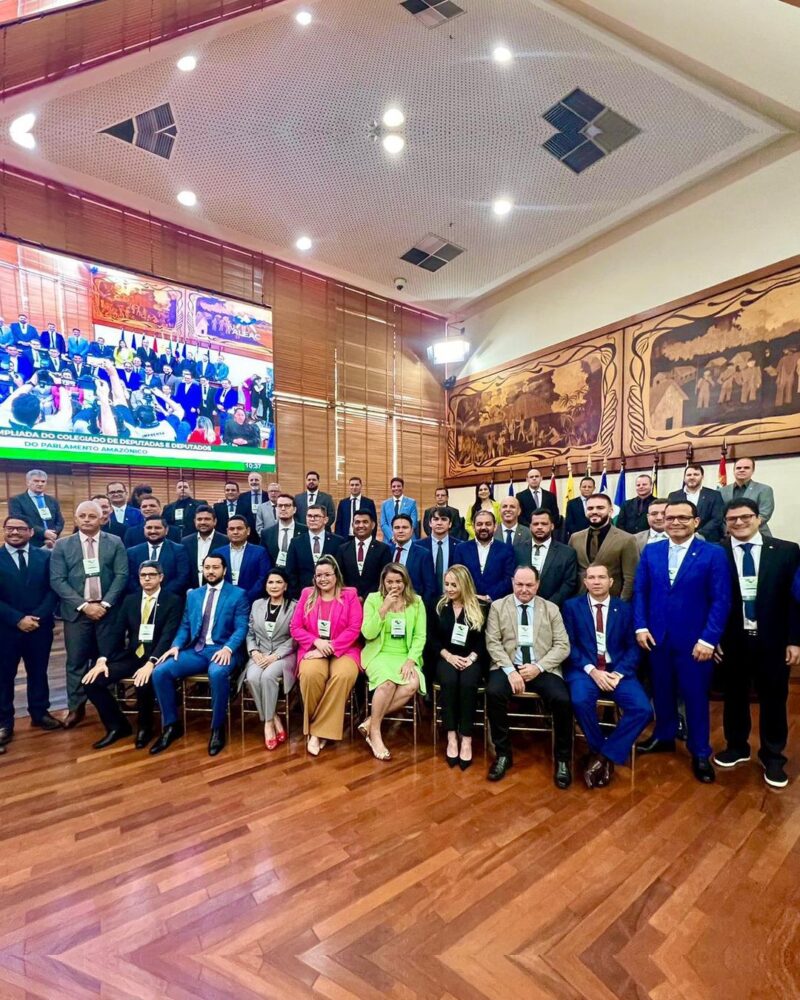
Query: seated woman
(458, 644)
(394, 627)
(205, 433)
(483, 501)
(272, 655)
(326, 625)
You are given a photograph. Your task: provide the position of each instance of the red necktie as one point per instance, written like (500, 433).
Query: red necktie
(397, 553)
(360, 555)
(598, 624)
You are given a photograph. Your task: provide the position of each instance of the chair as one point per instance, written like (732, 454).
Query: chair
(284, 707)
(603, 705)
(410, 713)
(481, 715)
(537, 721)
(193, 700)
(125, 693)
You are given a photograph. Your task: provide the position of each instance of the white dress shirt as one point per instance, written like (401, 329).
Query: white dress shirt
(518, 652)
(605, 606)
(483, 553)
(545, 548)
(366, 544)
(237, 557)
(14, 553)
(217, 587)
(757, 541)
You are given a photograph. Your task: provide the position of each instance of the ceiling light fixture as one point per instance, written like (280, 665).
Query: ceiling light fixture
(502, 54)
(186, 64)
(393, 143)
(187, 198)
(393, 118)
(20, 131)
(304, 243)
(502, 206)
(303, 17)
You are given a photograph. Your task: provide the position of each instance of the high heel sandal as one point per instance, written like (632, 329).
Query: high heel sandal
(378, 754)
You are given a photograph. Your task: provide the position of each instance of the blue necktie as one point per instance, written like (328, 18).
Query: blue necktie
(749, 569)
(673, 561)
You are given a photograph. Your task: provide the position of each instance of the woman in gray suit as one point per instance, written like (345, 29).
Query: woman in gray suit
(272, 654)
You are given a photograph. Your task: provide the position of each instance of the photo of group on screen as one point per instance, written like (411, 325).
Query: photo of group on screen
(121, 385)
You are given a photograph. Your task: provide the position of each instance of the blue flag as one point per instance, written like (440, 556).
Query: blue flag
(604, 482)
(133, 342)
(511, 487)
(619, 497)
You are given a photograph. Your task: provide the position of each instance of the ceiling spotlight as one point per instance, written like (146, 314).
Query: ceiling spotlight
(502, 54)
(20, 131)
(187, 198)
(502, 206)
(186, 63)
(393, 143)
(304, 243)
(303, 17)
(394, 118)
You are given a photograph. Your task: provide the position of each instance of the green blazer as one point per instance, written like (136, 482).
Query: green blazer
(376, 632)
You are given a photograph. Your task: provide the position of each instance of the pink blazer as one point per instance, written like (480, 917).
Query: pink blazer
(346, 617)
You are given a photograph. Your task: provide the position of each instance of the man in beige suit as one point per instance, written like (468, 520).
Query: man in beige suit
(603, 543)
(527, 643)
(656, 530)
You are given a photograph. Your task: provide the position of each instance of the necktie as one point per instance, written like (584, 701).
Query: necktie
(508, 536)
(352, 513)
(205, 624)
(536, 500)
(153, 553)
(526, 650)
(274, 513)
(396, 507)
(673, 560)
(311, 499)
(284, 539)
(360, 553)
(440, 567)
(23, 564)
(231, 508)
(91, 588)
(315, 547)
(749, 569)
(594, 544)
(537, 555)
(148, 607)
(397, 553)
(598, 624)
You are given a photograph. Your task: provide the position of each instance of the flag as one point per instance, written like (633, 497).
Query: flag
(511, 484)
(589, 467)
(655, 475)
(553, 486)
(722, 477)
(133, 342)
(122, 341)
(570, 490)
(619, 496)
(155, 345)
(604, 480)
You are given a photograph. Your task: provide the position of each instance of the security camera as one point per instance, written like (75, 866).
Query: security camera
(400, 284)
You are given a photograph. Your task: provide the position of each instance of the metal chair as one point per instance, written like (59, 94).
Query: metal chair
(481, 715)
(537, 721)
(603, 705)
(194, 700)
(284, 706)
(410, 712)
(125, 693)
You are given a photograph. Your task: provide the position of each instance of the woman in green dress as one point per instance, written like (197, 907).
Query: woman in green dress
(394, 627)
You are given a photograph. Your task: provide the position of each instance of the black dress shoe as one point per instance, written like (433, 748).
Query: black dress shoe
(656, 746)
(143, 737)
(593, 773)
(112, 736)
(2, 748)
(499, 768)
(562, 775)
(167, 737)
(608, 773)
(6, 735)
(452, 761)
(76, 717)
(217, 742)
(464, 764)
(48, 722)
(703, 770)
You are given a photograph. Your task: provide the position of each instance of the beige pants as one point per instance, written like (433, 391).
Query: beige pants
(325, 685)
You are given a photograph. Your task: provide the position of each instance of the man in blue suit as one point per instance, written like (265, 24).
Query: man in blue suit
(490, 562)
(441, 547)
(350, 506)
(187, 395)
(248, 564)
(121, 511)
(209, 640)
(603, 657)
(23, 331)
(413, 556)
(171, 556)
(398, 503)
(681, 601)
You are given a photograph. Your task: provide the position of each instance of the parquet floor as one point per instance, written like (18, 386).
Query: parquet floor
(273, 875)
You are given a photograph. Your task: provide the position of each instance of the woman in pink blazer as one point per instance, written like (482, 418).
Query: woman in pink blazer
(326, 626)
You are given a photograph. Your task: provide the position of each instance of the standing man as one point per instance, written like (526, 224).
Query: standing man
(555, 563)
(228, 507)
(745, 487)
(23, 331)
(761, 642)
(277, 539)
(655, 525)
(707, 501)
(681, 601)
(267, 513)
(534, 498)
(187, 395)
(40, 508)
(182, 510)
(398, 503)
(172, 559)
(89, 572)
(248, 565)
(53, 340)
(150, 506)
(77, 344)
(575, 518)
(603, 543)
(440, 545)
(490, 562)
(350, 506)
(208, 399)
(26, 625)
(633, 516)
(362, 557)
(510, 530)
(305, 550)
(314, 497)
(250, 502)
(121, 511)
(202, 542)
(442, 497)
(527, 643)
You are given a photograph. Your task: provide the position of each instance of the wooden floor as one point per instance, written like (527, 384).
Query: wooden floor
(274, 875)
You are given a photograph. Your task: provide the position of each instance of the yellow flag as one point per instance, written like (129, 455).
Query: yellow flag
(570, 491)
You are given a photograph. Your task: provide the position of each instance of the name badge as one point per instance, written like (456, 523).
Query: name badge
(146, 633)
(281, 560)
(179, 513)
(672, 574)
(316, 557)
(525, 635)
(398, 628)
(44, 513)
(459, 635)
(600, 639)
(91, 567)
(324, 628)
(235, 576)
(269, 628)
(748, 586)
(254, 508)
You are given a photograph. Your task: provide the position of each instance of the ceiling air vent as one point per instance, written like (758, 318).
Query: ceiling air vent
(153, 131)
(587, 130)
(432, 253)
(432, 13)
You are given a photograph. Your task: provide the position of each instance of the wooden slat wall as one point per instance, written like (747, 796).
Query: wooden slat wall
(354, 396)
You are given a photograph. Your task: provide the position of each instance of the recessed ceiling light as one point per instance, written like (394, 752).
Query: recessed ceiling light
(186, 63)
(20, 131)
(502, 206)
(303, 17)
(393, 143)
(393, 118)
(187, 198)
(304, 243)
(502, 54)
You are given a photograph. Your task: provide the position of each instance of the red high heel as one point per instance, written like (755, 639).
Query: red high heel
(281, 737)
(271, 744)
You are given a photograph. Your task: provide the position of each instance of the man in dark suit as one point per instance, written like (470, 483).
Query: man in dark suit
(248, 564)
(172, 557)
(442, 497)
(681, 600)
(89, 572)
(362, 557)
(603, 659)
(150, 506)
(490, 562)
(228, 507)
(22, 331)
(556, 563)
(440, 545)
(27, 604)
(145, 627)
(187, 395)
(305, 550)
(129, 377)
(633, 514)
(509, 530)
(107, 523)
(15, 367)
(277, 539)
(150, 380)
(121, 511)
(53, 340)
(203, 540)
(182, 509)
(350, 506)
(40, 508)
(414, 557)
(534, 497)
(575, 518)
(208, 399)
(250, 502)
(314, 496)
(708, 502)
(761, 642)
(604, 543)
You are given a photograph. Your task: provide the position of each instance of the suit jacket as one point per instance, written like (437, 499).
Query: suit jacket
(323, 499)
(190, 544)
(619, 553)
(21, 505)
(696, 606)
(342, 524)
(457, 529)
(629, 519)
(495, 580)
(441, 635)
(407, 506)
(528, 506)
(641, 538)
(420, 569)
(253, 571)
(67, 577)
(280, 643)
(521, 535)
(231, 616)
(131, 517)
(270, 539)
(763, 496)
(135, 535)
(300, 560)
(377, 631)
(346, 616)
(222, 515)
(427, 544)
(23, 336)
(53, 340)
(244, 507)
(710, 511)
(174, 561)
(30, 594)
(623, 650)
(188, 396)
(550, 639)
(166, 619)
(266, 516)
(188, 505)
(377, 556)
(227, 400)
(558, 578)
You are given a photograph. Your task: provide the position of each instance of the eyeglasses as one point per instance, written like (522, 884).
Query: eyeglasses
(679, 519)
(735, 518)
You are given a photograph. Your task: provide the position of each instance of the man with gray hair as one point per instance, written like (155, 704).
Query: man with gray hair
(266, 513)
(40, 508)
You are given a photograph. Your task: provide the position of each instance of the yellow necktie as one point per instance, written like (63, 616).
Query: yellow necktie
(148, 607)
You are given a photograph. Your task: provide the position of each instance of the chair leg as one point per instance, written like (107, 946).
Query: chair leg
(414, 717)
(183, 703)
(434, 707)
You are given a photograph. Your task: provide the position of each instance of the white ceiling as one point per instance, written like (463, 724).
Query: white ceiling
(273, 136)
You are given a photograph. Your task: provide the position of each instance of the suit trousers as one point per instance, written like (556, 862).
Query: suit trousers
(189, 662)
(33, 648)
(265, 685)
(325, 685)
(750, 663)
(636, 714)
(459, 696)
(676, 674)
(555, 694)
(99, 694)
(84, 640)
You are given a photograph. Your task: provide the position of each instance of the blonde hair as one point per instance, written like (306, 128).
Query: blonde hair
(315, 594)
(466, 586)
(408, 595)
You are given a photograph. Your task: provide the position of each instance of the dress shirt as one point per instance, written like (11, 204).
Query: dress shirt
(757, 541)
(403, 550)
(155, 550)
(355, 507)
(217, 587)
(678, 553)
(739, 491)
(14, 553)
(321, 536)
(545, 548)
(604, 609)
(119, 513)
(366, 543)
(445, 550)
(311, 499)
(656, 536)
(153, 597)
(694, 497)
(96, 540)
(505, 528)
(483, 554)
(537, 498)
(203, 548)
(237, 555)
(518, 653)
(283, 528)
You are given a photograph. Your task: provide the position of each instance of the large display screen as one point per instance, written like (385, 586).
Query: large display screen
(99, 365)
